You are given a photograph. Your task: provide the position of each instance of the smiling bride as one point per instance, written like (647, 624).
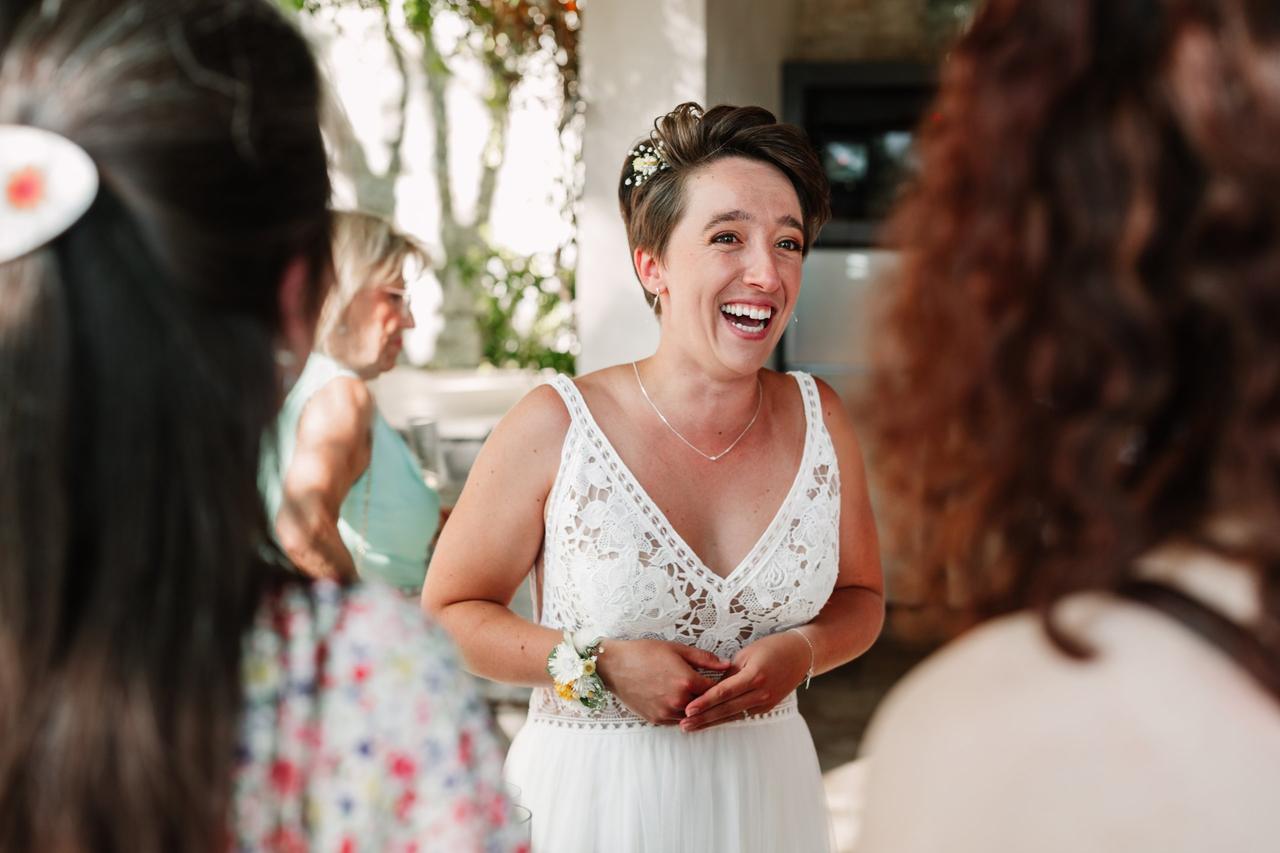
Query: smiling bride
(697, 525)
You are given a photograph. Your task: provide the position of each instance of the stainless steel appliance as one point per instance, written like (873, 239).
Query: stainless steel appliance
(829, 335)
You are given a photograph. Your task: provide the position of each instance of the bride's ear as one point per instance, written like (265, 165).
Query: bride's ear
(649, 270)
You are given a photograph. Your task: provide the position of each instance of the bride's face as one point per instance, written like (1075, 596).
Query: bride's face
(731, 273)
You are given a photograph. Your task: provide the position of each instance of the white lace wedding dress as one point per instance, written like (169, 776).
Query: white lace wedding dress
(606, 781)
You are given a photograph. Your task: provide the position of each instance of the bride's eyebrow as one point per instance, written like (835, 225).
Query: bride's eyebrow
(735, 215)
(739, 215)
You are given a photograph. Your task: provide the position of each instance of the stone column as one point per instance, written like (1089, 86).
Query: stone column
(638, 61)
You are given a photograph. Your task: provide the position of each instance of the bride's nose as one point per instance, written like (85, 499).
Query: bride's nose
(761, 270)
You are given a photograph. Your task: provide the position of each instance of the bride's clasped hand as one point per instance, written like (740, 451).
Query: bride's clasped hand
(761, 676)
(657, 679)
(662, 682)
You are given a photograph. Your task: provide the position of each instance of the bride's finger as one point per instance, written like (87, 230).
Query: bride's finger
(725, 711)
(703, 659)
(697, 685)
(735, 685)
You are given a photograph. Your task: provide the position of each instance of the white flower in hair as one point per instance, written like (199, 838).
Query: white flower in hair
(646, 161)
(47, 182)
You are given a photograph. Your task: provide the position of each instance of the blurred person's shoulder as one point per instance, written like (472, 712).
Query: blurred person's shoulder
(330, 637)
(1001, 739)
(359, 716)
(375, 625)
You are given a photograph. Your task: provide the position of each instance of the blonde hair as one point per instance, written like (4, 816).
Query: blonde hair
(366, 249)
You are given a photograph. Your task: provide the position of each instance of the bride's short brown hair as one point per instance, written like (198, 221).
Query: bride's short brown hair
(688, 139)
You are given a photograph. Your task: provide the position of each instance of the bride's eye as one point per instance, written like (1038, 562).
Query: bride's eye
(726, 237)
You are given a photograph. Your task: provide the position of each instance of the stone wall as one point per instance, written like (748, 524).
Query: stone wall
(842, 30)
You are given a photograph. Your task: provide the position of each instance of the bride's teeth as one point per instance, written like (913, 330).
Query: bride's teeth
(751, 311)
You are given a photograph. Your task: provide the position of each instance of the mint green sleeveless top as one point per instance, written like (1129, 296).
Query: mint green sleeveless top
(389, 517)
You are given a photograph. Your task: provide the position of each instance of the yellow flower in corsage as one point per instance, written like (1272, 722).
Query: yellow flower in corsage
(572, 666)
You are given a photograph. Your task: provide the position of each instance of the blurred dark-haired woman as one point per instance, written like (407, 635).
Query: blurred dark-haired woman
(165, 682)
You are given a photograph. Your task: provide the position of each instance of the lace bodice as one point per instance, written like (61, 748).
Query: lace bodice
(612, 562)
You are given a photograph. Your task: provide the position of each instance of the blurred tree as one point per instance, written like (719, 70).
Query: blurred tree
(510, 39)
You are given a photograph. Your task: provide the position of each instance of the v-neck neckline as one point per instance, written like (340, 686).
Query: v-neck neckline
(767, 538)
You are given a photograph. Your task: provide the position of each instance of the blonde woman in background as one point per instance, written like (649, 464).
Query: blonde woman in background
(346, 495)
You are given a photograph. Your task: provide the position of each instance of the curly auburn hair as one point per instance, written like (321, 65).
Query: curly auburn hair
(689, 139)
(1078, 361)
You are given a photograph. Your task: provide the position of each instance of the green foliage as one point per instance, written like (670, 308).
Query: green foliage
(311, 7)
(506, 34)
(525, 313)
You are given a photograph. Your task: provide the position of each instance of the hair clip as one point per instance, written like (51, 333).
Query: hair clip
(47, 183)
(646, 162)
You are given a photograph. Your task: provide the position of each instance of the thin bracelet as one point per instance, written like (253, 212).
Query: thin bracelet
(808, 676)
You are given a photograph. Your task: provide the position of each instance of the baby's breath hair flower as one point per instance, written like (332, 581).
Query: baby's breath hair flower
(646, 161)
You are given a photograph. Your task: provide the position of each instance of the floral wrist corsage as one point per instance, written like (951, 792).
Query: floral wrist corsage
(572, 666)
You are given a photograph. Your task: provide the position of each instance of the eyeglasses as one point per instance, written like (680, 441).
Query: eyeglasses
(400, 297)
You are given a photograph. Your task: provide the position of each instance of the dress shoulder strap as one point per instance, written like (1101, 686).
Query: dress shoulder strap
(812, 402)
(571, 396)
(1239, 644)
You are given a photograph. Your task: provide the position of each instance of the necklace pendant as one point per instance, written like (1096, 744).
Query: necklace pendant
(689, 444)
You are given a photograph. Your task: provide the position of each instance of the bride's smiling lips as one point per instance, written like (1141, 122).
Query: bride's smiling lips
(748, 318)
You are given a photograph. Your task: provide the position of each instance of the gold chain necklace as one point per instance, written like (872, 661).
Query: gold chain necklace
(689, 444)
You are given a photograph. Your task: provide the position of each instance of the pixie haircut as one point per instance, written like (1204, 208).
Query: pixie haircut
(367, 250)
(688, 139)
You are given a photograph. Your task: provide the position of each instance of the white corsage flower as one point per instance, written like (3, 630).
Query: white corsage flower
(565, 663)
(572, 666)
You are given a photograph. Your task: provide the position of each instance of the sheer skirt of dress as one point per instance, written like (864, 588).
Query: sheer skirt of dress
(750, 786)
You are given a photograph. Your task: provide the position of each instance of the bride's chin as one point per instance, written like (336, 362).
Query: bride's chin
(746, 359)
(743, 367)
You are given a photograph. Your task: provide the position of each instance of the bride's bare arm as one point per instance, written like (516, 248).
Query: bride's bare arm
(488, 547)
(491, 541)
(767, 670)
